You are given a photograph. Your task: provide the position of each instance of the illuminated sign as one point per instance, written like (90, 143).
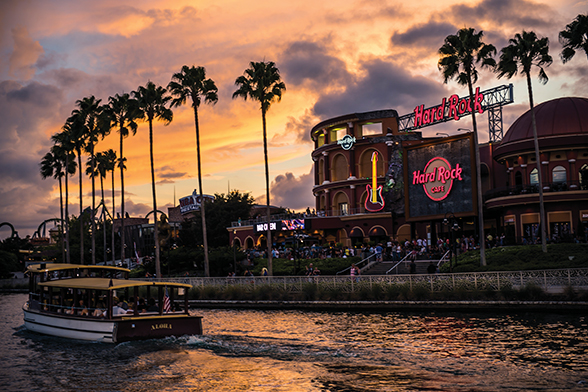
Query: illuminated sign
(454, 107)
(346, 142)
(293, 224)
(193, 202)
(262, 227)
(374, 201)
(440, 178)
(437, 178)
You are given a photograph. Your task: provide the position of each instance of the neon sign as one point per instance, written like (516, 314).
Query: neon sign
(347, 142)
(193, 202)
(437, 178)
(452, 107)
(374, 201)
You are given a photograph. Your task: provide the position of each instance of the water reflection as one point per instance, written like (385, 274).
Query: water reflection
(311, 351)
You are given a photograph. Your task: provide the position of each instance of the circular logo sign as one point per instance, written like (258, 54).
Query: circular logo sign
(437, 178)
(346, 142)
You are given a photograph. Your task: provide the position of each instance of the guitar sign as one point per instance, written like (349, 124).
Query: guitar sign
(374, 201)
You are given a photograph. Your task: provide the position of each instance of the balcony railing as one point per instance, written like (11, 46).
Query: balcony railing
(534, 188)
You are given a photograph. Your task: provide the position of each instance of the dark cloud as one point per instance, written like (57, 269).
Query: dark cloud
(519, 14)
(137, 210)
(169, 175)
(429, 35)
(305, 61)
(291, 192)
(384, 86)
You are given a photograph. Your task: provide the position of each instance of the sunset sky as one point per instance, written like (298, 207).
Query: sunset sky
(335, 57)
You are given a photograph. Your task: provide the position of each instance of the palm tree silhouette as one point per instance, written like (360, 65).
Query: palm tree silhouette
(574, 37)
(458, 58)
(151, 103)
(262, 83)
(121, 113)
(53, 165)
(192, 83)
(525, 51)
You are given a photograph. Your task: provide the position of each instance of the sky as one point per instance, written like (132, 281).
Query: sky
(335, 58)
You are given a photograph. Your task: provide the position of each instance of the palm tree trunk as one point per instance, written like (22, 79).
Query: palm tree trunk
(61, 223)
(67, 209)
(269, 232)
(103, 220)
(542, 221)
(92, 215)
(478, 178)
(122, 203)
(81, 208)
(202, 209)
(155, 229)
(112, 216)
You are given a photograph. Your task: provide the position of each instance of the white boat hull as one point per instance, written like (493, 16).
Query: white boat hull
(70, 327)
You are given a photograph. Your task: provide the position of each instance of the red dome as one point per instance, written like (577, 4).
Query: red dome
(561, 123)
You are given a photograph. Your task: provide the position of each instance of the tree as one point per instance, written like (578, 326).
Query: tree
(151, 103)
(52, 165)
(574, 37)
(63, 141)
(525, 51)
(88, 120)
(192, 83)
(262, 83)
(110, 160)
(121, 113)
(458, 58)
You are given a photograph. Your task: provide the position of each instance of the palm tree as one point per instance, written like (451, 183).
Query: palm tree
(151, 103)
(64, 143)
(458, 58)
(192, 83)
(122, 112)
(575, 36)
(526, 51)
(52, 165)
(110, 161)
(100, 172)
(262, 83)
(89, 112)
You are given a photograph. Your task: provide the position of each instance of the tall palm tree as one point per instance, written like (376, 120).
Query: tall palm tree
(121, 113)
(262, 83)
(458, 58)
(152, 103)
(525, 51)
(100, 172)
(575, 36)
(90, 111)
(52, 165)
(64, 142)
(110, 161)
(192, 83)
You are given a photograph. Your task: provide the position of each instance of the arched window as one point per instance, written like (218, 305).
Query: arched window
(339, 168)
(321, 174)
(558, 175)
(518, 179)
(341, 204)
(584, 177)
(534, 177)
(365, 164)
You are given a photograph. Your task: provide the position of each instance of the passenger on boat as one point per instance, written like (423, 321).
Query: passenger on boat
(152, 306)
(117, 309)
(100, 310)
(141, 307)
(82, 309)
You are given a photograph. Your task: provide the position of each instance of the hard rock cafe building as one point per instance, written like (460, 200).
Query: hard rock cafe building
(376, 179)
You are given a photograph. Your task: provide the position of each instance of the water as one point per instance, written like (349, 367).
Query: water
(311, 351)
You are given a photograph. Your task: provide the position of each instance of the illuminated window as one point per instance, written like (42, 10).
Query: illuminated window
(321, 140)
(534, 177)
(339, 168)
(584, 177)
(337, 134)
(370, 129)
(558, 174)
(343, 209)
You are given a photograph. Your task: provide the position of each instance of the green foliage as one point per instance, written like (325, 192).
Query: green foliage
(286, 267)
(8, 264)
(525, 257)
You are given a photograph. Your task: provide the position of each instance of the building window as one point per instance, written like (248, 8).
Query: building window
(584, 177)
(534, 177)
(558, 175)
(518, 179)
(321, 140)
(366, 167)
(337, 134)
(339, 168)
(343, 209)
(321, 174)
(370, 129)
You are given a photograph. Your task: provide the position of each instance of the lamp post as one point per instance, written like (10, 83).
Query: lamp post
(234, 252)
(452, 229)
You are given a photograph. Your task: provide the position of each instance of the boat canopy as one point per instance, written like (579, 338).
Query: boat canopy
(107, 284)
(50, 267)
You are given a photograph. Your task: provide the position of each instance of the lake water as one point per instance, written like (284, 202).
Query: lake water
(310, 351)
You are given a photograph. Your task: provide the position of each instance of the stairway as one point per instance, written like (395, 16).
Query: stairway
(403, 268)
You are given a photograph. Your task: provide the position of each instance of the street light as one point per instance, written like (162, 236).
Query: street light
(442, 133)
(463, 129)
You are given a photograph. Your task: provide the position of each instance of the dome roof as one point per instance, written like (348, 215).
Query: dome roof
(561, 123)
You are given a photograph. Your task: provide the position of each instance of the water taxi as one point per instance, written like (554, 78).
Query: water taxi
(100, 303)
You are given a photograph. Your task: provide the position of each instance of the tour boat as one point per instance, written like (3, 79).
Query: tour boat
(87, 302)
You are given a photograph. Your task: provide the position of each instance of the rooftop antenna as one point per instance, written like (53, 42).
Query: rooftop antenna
(174, 201)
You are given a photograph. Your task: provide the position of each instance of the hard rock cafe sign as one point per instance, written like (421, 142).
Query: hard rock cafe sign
(437, 178)
(346, 142)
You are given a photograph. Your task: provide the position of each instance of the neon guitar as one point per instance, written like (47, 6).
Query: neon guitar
(374, 201)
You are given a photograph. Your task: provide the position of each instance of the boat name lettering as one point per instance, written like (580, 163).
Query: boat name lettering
(161, 326)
